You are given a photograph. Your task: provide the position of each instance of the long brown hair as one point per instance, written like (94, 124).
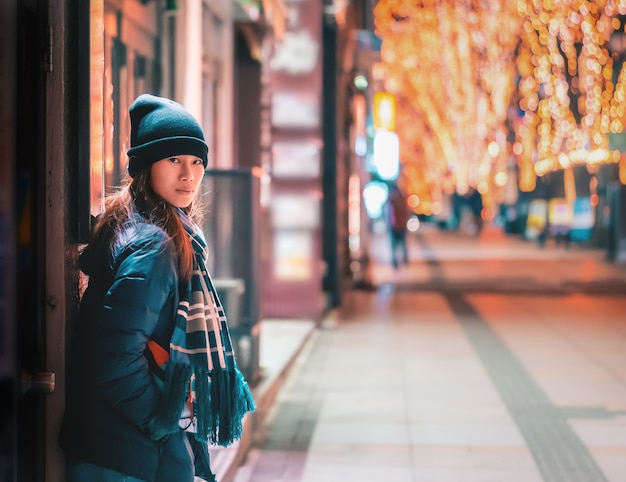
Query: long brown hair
(138, 197)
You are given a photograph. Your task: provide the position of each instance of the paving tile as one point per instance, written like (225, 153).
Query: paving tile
(344, 473)
(602, 434)
(458, 411)
(372, 431)
(467, 433)
(611, 460)
(472, 457)
(436, 474)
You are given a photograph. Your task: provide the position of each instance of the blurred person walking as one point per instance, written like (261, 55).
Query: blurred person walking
(152, 378)
(398, 215)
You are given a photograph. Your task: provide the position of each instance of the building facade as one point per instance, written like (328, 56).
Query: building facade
(69, 70)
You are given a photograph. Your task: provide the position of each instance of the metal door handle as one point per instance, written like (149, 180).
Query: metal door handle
(42, 383)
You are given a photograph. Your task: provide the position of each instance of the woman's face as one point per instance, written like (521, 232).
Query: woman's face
(177, 179)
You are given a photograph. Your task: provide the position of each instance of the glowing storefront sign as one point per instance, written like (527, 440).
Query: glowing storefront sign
(293, 255)
(375, 195)
(295, 110)
(387, 155)
(296, 160)
(96, 112)
(295, 211)
(384, 111)
(296, 54)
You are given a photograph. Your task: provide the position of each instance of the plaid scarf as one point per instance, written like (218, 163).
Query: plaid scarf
(202, 370)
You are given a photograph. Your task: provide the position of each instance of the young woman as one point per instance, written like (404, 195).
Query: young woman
(152, 377)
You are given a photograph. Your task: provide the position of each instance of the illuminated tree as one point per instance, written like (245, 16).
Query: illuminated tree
(461, 67)
(453, 64)
(571, 92)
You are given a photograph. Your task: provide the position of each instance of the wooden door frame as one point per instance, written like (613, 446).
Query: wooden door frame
(67, 142)
(8, 360)
(56, 244)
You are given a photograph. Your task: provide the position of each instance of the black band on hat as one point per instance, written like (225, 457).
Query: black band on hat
(162, 128)
(146, 154)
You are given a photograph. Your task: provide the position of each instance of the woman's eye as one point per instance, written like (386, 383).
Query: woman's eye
(173, 159)
(198, 161)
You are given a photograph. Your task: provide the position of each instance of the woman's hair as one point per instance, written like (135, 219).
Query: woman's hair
(138, 197)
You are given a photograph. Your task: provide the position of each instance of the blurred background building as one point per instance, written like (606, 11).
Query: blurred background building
(312, 109)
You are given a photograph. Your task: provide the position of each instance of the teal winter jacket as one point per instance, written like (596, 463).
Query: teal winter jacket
(111, 392)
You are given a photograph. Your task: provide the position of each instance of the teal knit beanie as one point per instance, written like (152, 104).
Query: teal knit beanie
(161, 128)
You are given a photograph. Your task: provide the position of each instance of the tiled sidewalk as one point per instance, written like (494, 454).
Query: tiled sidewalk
(421, 387)
(488, 384)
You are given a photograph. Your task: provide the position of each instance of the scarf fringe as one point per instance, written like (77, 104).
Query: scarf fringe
(229, 398)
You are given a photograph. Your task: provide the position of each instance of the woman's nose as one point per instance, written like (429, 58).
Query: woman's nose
(186, 173)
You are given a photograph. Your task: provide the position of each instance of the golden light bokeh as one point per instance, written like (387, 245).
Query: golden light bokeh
(497, 91)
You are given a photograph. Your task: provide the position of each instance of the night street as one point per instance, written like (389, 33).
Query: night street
(312, 241)
(486, 359)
